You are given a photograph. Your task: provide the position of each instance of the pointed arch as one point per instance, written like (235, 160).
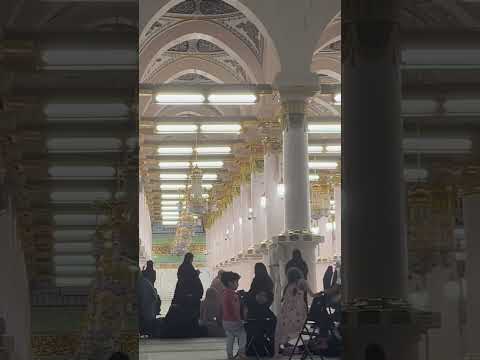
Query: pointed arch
(196, 65)
(209, 31)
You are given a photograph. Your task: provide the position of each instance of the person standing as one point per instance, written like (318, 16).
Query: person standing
(259, 299)
(294, 310)
(327, 278)
(297, 262)
(149, 272)
(232, 318)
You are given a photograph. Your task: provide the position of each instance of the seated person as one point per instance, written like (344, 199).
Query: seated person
(148, 306)
(261, 320)
(211, 314)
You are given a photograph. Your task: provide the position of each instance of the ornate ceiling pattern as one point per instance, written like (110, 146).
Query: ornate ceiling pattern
(234, 22)
(203, 8)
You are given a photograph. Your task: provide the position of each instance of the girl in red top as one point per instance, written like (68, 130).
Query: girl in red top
(232, 319)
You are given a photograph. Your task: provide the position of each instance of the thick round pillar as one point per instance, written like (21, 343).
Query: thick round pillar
(295, 164)
(374, 254)
(471, 209)
(372, 211)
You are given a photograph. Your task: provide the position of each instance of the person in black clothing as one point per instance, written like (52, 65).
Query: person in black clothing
(327, 278)
(119, 356)
(261, 290)
(297, 262)
(149, 272)
(262, 320)
(148, 303)
(184, 313)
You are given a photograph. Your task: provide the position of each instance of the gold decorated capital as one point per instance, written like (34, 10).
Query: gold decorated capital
(272, 145)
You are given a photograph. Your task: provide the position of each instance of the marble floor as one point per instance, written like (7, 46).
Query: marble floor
(186, 349)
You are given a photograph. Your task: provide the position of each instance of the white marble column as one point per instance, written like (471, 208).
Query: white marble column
(296, 180)
(295, 163)
(274, 209)
(471, 211)
(247, 230)
(236, 229)
(258, 214)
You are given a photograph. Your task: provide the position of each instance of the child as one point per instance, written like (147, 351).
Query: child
(232, 319)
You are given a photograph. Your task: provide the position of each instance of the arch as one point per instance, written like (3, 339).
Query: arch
(209, 31)
(326, 105)
(160, 7)
(331, 34)
(178, 75)
(201, 110)
(194, 65)
(112, 21)
(327, 65)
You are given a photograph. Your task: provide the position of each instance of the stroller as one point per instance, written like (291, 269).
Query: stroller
(321, 332)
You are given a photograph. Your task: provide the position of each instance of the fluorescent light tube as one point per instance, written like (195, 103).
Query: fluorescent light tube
(177, 129)
(172, 196)
(174, 165)
(315, 149)
(213, 150)
(173, 176)
(221, 128)
(179, 98)
(234, 99)
(175, 151)
(333, 148)
(172, 186)
(324, 128)
(323, 165)
(170, 202)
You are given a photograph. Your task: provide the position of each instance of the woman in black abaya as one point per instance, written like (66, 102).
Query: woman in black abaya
(262, 320)
(183, 315)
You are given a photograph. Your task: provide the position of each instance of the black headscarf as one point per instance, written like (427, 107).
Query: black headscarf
(327, 278)
(261, 281)
(189, 283)
(297, 262)
(186, 271)
(149, 273)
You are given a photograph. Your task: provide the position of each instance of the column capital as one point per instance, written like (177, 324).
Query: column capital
(297, 93)
(272, 145)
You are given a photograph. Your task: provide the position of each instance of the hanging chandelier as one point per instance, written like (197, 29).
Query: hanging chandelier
(196, 201)
(184, 232)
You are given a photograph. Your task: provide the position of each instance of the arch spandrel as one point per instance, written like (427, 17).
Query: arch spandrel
(205, 30)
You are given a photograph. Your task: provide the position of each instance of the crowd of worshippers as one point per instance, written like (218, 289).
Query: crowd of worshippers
(234, 314)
